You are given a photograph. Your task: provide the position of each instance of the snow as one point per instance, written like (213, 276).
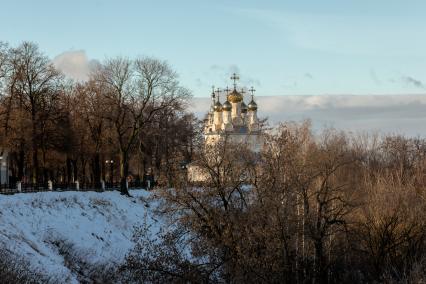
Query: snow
(94, 227)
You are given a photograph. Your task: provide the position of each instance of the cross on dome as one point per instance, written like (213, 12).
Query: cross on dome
(213, 96)
(218, 93)
(234, 77)
(252, 90)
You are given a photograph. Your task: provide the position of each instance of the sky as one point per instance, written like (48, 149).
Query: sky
(350, 64)
(360, 47)
(366, 114)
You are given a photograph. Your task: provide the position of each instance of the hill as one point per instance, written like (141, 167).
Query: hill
(66, 236)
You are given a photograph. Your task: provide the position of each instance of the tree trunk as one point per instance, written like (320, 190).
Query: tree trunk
(35, 164)
(124, 172)
(83, 170)
(21, 159)
(103, 169)
(34, 150)
(69, 172)
(320, 265)
(97, 170)
(75, 169)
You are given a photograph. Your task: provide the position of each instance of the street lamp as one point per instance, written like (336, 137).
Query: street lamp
(111, 164)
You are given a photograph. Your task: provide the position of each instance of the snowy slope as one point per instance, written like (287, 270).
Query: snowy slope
(50, 228)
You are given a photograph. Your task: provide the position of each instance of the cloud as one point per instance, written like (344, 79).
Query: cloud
(220, 75)
(75, 64)
(233, 69)
(403, 114)
(251, 82)
(309, 76)
(413, 82)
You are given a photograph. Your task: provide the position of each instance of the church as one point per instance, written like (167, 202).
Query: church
(234, 119)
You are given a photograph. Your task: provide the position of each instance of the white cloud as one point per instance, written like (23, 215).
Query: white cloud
(74, 64)
(404, 114)
(220, 75)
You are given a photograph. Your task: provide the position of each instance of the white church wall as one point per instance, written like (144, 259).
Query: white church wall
(253, 141)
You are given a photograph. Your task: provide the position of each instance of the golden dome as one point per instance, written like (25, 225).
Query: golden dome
(252, 105)
(235, 97)
(217, 106)
(226, 106)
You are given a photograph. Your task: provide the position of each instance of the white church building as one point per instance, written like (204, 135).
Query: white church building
(234, 118)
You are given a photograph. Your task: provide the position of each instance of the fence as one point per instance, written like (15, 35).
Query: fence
(45, 187)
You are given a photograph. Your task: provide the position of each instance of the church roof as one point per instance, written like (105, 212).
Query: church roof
(217, 106)
(252, 105)
(235, 96)
(227, 106)
(243, 107)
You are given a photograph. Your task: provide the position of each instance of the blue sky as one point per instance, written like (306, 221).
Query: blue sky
(281, 47)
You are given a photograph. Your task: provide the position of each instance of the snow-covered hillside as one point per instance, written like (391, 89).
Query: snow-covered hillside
(57, 230)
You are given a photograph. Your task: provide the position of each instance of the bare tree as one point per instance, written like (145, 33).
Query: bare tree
(88, 112)
(37, 87)
(136, 92)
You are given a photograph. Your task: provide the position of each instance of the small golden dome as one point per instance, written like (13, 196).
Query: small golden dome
(252, 106)
(217, 106)
(235, 97)
(227, 106)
